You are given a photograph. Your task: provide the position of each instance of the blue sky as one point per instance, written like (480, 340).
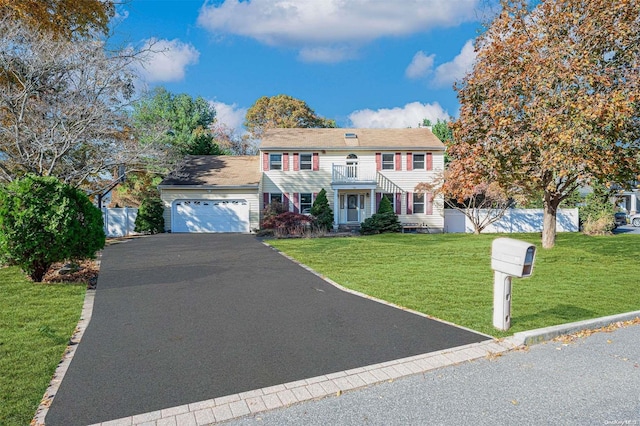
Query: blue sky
(364, 63)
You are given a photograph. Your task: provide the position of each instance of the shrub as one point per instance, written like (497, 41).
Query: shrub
(43, 221)
(321, 211)
(289, 223)
(150, 216)
(384, 221)
(597, 215)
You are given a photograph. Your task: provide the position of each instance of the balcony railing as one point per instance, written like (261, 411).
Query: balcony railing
(351, 174)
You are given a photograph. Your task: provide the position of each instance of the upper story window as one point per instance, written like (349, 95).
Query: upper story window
(388, 162)
(275, 161)
(306, 162)
(418, 161)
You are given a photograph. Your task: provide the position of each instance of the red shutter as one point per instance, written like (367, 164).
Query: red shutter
(429, 160)
(316, 162)
(265, 199)
(398, 202)
(378, 199)
(285, 201)
(296, 201)
(429, 203)
(409, 202)
(285, 161)
(398, 161)
(378, 161)
(296, 161)
(409, 161)
(265, 161)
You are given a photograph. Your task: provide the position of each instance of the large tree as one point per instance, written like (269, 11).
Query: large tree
(179, 122)
(552, 101)
(282, 111)
(69, 19)
(63, 107)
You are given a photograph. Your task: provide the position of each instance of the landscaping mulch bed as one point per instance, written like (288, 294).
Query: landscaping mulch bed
(85, 271)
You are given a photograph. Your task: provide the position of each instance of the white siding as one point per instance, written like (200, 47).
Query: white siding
(169, 195)
(304, 181)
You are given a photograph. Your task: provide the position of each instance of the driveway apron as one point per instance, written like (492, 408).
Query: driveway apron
(181, 318)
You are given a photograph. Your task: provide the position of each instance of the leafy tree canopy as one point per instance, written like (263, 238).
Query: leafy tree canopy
(62, 18)
(178, 122)
(552, 101)
(282, 111)
(441, 129)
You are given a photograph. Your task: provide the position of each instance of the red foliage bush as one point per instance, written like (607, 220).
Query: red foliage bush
(288, 223)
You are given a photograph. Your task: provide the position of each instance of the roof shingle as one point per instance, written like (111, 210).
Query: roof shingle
(409, 138)
(216, 170)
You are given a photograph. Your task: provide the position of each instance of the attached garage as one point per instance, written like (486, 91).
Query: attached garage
(210, 216)
(209, 193)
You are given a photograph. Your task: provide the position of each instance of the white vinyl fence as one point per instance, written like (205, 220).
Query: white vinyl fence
(119, 222)
(514, 220)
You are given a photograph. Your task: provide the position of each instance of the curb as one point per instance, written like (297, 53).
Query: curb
(532, 337)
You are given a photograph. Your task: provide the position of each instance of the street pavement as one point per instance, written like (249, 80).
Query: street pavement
(591, 380)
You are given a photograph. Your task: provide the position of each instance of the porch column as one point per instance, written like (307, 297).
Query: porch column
(633, 208)
(336, 207)
(372, 197)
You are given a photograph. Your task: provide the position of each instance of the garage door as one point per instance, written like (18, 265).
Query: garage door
(210, 216)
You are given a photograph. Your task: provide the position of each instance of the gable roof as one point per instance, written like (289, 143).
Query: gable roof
(333, 139)
(216, 171)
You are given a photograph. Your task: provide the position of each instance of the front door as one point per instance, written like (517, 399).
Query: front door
(352, 208)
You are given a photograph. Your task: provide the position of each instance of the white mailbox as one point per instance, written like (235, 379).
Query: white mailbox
(512, 257)
(509, 258)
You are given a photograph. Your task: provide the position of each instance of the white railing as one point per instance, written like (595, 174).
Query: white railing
(351, 173)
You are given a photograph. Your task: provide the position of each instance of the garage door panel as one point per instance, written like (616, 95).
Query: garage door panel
(211, 216)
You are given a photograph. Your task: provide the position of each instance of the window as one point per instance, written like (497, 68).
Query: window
(275, 198)
(306, 162)
(418, 202)
(275, 162)
(306, 201)
(418, 161)
(392, 200)
(388, 162)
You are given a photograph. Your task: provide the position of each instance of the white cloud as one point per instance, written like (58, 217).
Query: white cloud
(409, 115)
(449, 72)
(166, 60)
(230, 116)
(330, 23)
(326, 54)
(421, 65)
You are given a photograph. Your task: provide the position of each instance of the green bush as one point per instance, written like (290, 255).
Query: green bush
(43, 221)
(321, 211)
(382, 222)
(597, 214)
(150, 216)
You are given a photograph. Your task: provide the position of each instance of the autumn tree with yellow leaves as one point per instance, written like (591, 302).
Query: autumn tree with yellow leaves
(553, 100)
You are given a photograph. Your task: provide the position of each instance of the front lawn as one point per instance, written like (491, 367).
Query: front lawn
(449, 276)
(36, 322)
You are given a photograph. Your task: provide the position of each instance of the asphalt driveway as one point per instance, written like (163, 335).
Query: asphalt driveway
(180, 318)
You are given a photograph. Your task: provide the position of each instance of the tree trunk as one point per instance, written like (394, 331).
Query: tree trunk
(549, 222)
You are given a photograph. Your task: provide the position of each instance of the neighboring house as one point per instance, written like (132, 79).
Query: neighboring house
(357, 167)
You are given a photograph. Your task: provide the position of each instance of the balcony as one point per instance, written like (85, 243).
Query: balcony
(352, 174)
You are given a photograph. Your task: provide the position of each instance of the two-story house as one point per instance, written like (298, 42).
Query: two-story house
(357, 167)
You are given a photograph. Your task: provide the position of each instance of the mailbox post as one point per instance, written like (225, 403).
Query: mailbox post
(509, 258)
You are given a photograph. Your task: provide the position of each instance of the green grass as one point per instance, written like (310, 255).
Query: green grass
(36, 322)
(449, 276)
